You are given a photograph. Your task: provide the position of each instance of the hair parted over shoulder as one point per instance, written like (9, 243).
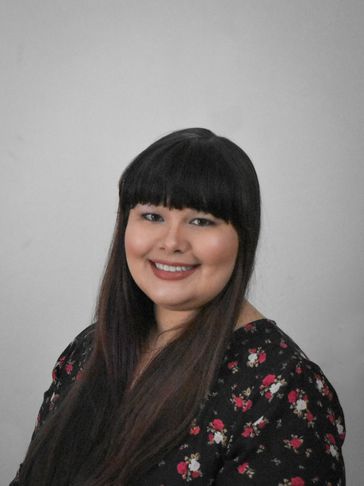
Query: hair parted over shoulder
(119, 433)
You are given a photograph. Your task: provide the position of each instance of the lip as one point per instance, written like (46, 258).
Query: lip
(164, 275)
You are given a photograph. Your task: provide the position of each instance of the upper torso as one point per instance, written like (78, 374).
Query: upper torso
(271, 418)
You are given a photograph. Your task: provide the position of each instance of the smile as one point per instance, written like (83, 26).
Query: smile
(170, 268)
(172, 272)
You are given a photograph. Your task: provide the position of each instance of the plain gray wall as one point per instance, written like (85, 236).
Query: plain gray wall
(85, 85)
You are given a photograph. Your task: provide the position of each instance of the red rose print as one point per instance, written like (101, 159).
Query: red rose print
(68, 368)
(196, 474)
(292, 396)
(297, 481)
(247, 431)
(243, 467)
(246, 405)
(296, 442)
(268, 380)
(195, 430)
(309, 416)
(261, 424)
(238, 402)
(182, 467)
(262, 357)
(232, 364)
(218, 424)
(331, 438)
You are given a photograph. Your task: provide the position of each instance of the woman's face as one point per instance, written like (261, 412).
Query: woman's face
(180, 259)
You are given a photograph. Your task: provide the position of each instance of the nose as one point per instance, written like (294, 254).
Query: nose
(174, 239)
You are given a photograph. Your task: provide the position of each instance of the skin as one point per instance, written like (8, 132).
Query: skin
(157, 233)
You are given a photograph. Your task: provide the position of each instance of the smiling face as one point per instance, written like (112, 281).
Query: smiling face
(181, 259)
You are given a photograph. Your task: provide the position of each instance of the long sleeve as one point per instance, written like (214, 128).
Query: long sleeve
(67, 369)
(291, 435)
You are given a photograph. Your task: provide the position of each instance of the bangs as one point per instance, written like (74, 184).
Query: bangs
(185, 175)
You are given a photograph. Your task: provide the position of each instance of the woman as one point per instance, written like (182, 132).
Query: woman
(181, 379)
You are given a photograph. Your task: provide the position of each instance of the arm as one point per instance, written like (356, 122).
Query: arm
(67, 370)
(292, 437)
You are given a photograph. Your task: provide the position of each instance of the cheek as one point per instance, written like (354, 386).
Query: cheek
(135, 244)
(222, 251)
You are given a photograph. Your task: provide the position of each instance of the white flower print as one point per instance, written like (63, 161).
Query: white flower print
(275, 387)
(340, 428)
(252, 358)
(256, 357)
(218, 437)
(333, 451)
(217, 433)
(301, 405)
(260, 419)
(194, 465)
(319, 385)
(189, 469)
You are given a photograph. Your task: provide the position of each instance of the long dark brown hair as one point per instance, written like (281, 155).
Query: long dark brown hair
(105, 432)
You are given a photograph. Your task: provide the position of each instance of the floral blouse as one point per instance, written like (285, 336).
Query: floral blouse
(271, 418)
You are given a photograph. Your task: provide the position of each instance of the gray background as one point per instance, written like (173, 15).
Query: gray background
(85, 85)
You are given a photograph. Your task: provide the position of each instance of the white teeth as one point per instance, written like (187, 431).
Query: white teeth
(169, 268)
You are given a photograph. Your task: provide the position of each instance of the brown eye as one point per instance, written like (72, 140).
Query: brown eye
(202, 222)
(152, 217)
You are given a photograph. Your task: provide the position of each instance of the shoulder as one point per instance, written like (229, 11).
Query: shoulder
(260, 350)
(72, 360)
(270, 379)
(262, 347)
(264, 358)
(81, 344)
(70, 364)
(279, 406)
(67, 370)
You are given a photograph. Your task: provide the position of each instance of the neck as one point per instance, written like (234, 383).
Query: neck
(168, 324)
(168, 319)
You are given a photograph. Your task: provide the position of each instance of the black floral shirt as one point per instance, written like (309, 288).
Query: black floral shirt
(271, 418)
